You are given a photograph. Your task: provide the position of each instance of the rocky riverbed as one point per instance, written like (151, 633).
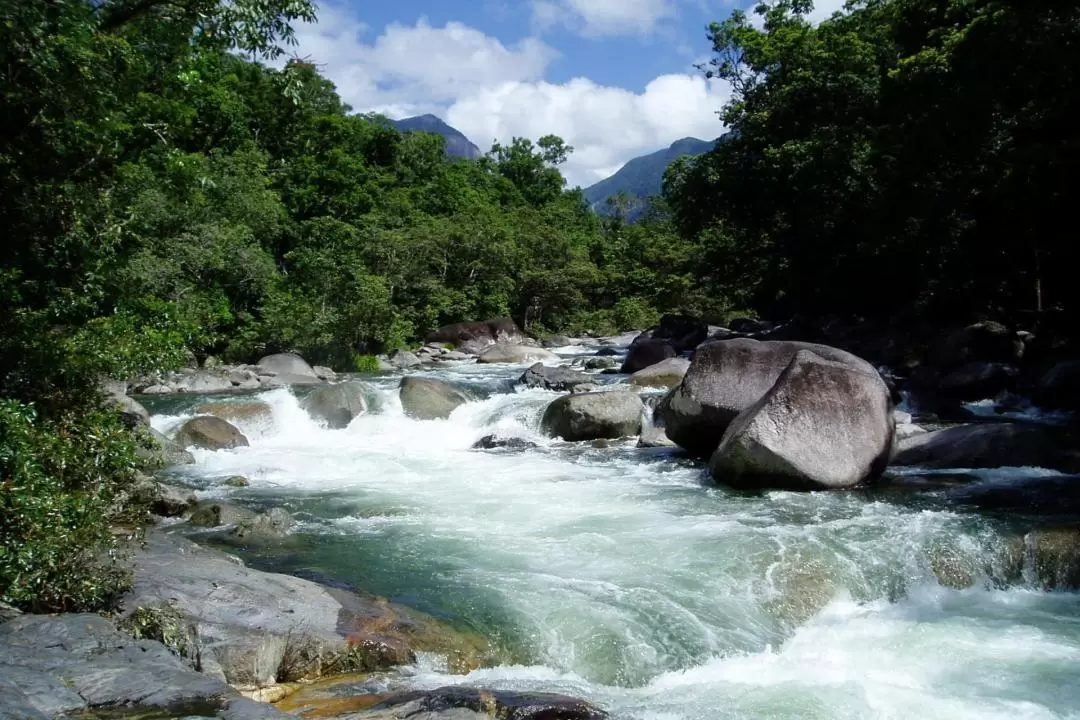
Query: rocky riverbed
(539, 548)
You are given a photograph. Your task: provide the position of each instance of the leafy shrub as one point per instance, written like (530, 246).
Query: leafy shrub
(165, 624)
(366, 364)
(63, 481)
(634, 314)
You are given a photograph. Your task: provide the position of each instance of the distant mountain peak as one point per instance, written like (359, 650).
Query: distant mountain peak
(643, 177)
(457, 145)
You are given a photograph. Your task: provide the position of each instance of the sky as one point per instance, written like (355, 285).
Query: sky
(614, 78)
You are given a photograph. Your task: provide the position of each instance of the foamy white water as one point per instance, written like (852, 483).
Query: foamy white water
(619, 575)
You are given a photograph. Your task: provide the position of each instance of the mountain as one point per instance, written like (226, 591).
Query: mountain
(457, 145)
(643, 176)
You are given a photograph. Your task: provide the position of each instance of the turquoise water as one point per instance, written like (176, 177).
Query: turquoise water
(620, 576)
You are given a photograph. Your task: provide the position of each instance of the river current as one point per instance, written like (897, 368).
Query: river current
(622, 576)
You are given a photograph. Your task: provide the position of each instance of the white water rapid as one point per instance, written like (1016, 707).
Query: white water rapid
(621, 576)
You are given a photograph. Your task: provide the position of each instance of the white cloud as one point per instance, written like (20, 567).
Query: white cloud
(603, 17)
(491, 91)
(413, 68)
(606, 125)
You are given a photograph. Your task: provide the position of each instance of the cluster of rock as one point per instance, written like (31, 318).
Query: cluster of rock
(272, 371)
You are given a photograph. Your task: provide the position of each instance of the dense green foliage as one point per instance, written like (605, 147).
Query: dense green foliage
(907, 156)
(164, 194)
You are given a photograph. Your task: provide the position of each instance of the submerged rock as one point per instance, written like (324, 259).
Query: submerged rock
(590, 416)
(989, 445)
(655, 437)
(428, 399)
(725, 378)
(664, 374)
(337, 405)
(515, 354)
(553, 378)
(822, 425)
(493, 442)
(210, 433)
(269, 526)
(464, 703)
(646, 352)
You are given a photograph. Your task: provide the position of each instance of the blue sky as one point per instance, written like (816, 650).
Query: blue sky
(614, 78)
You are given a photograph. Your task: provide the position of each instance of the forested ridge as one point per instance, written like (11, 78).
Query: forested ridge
(166, 190)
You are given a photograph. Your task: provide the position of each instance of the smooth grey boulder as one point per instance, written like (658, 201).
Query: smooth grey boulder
(556, 378)
(203, 381)
(555, 341)
(287, 364)
(989, 445)
(427, 399)
(165, 500)
(646, 352)
(402, 359)
(54, 665)
(452, 356)
(324, 373)
(601, 363)
(823, 425)
(592, 416)
(654, 437)
(210, 433)
(725, 378)
(514, 354)
(337, 405)
(664, 374)
(270, 526)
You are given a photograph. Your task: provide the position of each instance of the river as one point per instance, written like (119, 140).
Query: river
(622, 576)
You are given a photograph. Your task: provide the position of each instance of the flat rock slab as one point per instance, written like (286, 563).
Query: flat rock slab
(53, 665)
(254, 628)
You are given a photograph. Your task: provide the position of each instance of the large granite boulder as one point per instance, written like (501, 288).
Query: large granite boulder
(210, 433)
(337, 405)
(685, 332)
(556, 378)
(725, 378)
(822, 425)
(246, 411)
(288, 369)
(646, 352)
(591, 416)
(978, 380)
(1059, 387)
(403, 359)
(156, 451)
(989, 445)
(515, 354)
(131, 411)
(203, 381)
(982, 342)
(474, 337)
(428, 399)
(664, 374)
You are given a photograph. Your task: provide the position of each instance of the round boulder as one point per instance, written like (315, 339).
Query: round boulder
(210, 433)
(337, 405)
(553, 378)
(427, 399)
(985, 341)
(590, 416)
(664, 374)
(684, 331)
(288, 369)
(725, 378)
(402, 359)
(822, 425)
(515, 354)
(646, 352)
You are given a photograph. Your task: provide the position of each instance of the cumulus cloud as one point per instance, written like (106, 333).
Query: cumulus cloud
(494, 92)
(606, 125)
(603, 17)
